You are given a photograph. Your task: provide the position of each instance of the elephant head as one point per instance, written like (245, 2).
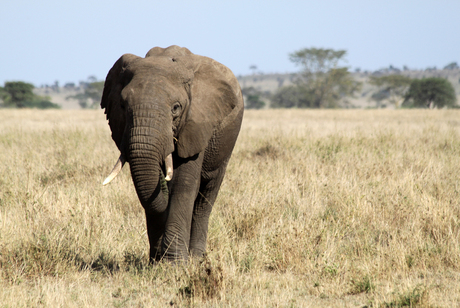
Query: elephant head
(171, 103)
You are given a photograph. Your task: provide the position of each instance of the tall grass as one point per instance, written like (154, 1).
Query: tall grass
(318, 208)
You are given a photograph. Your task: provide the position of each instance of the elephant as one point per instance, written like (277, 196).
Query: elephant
(175, 117)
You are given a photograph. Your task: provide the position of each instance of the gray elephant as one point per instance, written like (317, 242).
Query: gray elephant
(175, 117)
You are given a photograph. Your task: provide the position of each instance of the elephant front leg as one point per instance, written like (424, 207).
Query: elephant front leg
(183, 189)
(155, 230)
(209, 190)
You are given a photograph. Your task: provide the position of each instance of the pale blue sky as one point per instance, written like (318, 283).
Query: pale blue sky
(44, 41)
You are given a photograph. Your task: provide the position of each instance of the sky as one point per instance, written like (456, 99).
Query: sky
(68, 41)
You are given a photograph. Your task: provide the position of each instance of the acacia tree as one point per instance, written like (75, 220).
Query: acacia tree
(429, 93)
(451, 66)
(322, 78)
(391, 88)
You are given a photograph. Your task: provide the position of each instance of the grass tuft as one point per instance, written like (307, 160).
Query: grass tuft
(415, 297)
(364, 284)
(204, 281)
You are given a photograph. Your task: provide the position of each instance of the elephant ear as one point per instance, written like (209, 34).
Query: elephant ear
(214, 93)
(111, 97)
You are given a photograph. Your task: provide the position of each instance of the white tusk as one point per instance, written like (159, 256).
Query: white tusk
(116, 169)
(169, 167)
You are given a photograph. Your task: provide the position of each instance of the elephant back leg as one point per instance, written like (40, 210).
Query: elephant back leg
(204, 202)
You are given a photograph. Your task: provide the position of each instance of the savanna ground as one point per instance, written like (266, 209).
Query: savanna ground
(338, 208)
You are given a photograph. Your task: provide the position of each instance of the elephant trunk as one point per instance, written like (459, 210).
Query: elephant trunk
(147, 155)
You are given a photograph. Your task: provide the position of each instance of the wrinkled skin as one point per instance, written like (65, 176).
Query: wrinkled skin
(174, 102)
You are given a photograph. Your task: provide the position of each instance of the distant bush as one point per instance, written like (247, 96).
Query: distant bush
(429, 93)
(41, 103)
(19, 94)
(252, 98)
(292, 97)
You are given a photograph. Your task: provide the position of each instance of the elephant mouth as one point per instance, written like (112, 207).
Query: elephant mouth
(121, 162)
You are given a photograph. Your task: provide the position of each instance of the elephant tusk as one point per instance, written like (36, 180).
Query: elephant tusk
(116, 169)
(169, 167)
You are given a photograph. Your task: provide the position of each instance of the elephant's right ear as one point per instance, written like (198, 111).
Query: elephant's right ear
(111, 97)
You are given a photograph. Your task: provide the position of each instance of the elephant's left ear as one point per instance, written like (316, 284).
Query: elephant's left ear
(214, 94)
(111, 97)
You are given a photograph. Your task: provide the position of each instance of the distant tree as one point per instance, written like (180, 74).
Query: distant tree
(69, 85)
(451, 66)
(252, 98)
(91, 95)
(391, 88)
(325, 82)
(429, 93)
(20, 94)
(92, 79)
(393, 69)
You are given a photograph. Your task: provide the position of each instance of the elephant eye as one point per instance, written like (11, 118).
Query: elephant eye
(176, 108)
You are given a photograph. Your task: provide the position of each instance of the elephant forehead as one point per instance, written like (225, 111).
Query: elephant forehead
(157, 88)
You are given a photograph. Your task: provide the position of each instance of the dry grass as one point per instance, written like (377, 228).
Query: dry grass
(319, 208)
